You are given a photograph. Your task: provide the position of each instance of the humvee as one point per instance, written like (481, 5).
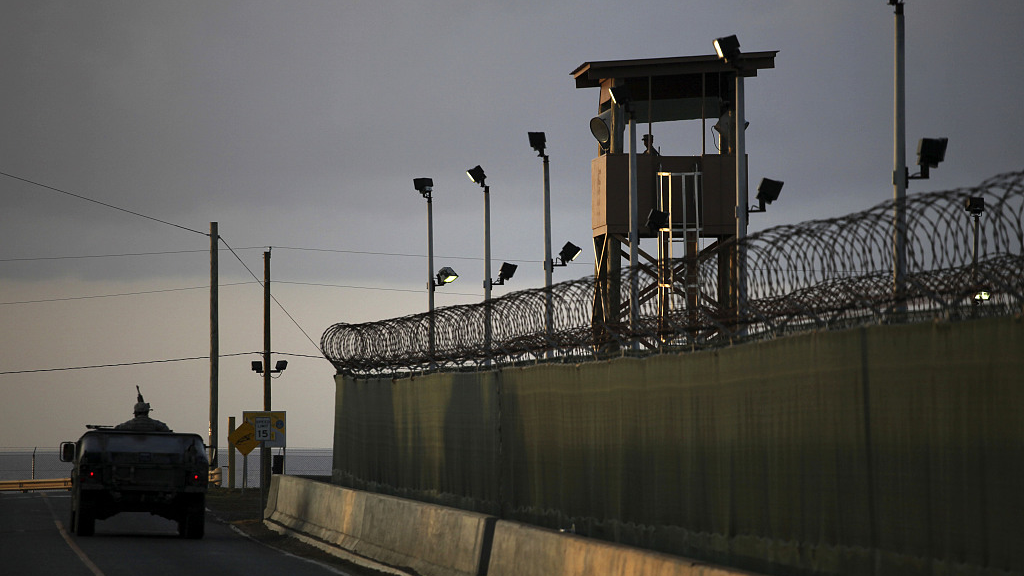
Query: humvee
(163, 473)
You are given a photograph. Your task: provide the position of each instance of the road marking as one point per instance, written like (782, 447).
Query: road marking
(71, 543)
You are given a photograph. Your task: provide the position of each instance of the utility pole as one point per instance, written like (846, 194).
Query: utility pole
(264, 451)
(214, 342)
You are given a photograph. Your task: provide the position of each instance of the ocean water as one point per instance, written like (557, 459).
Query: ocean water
(28, 463)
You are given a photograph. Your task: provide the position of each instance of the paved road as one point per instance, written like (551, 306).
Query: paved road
(34, 540)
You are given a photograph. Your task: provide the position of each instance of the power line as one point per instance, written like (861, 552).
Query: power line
(82, 257)
(375, 288)
(399, 254)
(87, 199)
(330, 250)
(283, 309)
(120, 364)
(116, 295)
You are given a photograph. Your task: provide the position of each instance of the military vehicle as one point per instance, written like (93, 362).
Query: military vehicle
(138, 467)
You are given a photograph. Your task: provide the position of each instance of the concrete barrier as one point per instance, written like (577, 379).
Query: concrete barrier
(431, 540)
(522, 550)
(423, 538)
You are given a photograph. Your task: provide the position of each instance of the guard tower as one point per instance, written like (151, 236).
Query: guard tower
(683, 201)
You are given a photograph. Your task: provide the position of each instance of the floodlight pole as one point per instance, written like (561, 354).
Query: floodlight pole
(548, 262)
(430, 274)
(899, 174)
(741, 201)
(974, 254)
(487, 272)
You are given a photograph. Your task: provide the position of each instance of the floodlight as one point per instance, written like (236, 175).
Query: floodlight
(257, 366)
(569, 253)
(931, 151)
(476, 174)
(621, 95)
(728, 48)
(982, 295)
(280, 366)
(423, 185)
(768, 190)
(506, 272)
(446, 276)
(599, 128)
(537, 142)
(975, 205)
(657, 220)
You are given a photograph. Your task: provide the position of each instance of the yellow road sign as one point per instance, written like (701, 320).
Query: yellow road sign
(244, 438)
(268, 426)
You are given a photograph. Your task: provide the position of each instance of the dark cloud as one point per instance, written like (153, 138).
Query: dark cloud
(302, 125)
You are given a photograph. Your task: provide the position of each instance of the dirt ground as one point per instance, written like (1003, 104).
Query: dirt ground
(242, 509)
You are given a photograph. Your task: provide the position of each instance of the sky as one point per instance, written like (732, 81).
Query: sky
(127, 127)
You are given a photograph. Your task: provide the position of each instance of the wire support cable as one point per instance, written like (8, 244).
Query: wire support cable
(94, 201)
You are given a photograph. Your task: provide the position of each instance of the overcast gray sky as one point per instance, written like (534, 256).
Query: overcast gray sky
(301, 124)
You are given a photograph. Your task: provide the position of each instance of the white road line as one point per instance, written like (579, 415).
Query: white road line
(71, 543)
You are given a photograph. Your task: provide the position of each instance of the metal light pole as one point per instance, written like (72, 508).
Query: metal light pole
(899, 173)
(426, 188)
(487, 271)
(430, 269)
(741, 199)
(476, 174)
(538, 142)
(728, 49)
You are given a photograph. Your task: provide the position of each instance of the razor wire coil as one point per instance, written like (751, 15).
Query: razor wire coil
(821, 274)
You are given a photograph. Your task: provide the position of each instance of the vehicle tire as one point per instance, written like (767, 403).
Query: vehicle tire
(85, 522)
(192, 524)
(71, 523)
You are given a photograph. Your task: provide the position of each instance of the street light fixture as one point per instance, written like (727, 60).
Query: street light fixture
(506, 272)
(424, 186)
(445, 276)
(537, 142)
(728, 48)
(567, 254)
(767, 192)
(280, 366)
(476, 174)
(930, 151)
(657, 219)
